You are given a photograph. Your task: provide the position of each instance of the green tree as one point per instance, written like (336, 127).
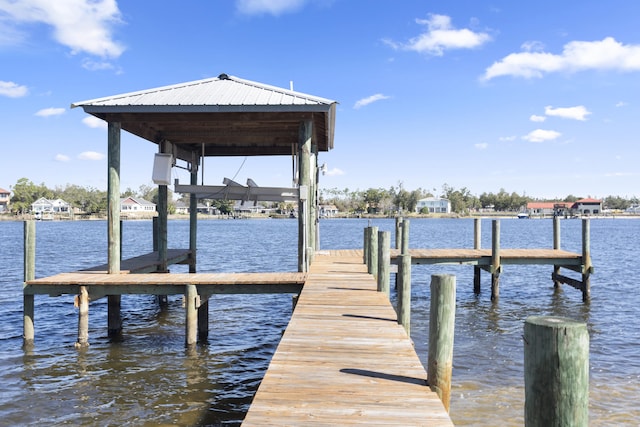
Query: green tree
(25, 193)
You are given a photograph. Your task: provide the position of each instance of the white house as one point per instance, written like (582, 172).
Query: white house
(133, 204)
(328, 211)
(434, 205)
(43, 205)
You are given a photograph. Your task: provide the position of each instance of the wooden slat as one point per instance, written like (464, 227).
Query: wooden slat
(343, 359)
(148, 262)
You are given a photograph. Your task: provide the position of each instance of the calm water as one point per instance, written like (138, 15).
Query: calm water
(149, 378)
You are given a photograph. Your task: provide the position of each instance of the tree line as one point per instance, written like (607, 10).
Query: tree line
(399, 199)
(372, 200)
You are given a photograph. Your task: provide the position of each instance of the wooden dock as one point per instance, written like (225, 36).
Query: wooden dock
(344, 359)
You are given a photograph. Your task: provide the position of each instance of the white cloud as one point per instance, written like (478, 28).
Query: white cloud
(90, 155)
(441, 36)
(621, 104)
(507, 138)
(82, 25)
(48, 112)
(369, 100)
(62, 158)
(541, 135)
(334, 172)
(536, 118)
(575, 113)
(606, 54)
(274, 7)
(481, 146)
(94, 122)
(12, 90)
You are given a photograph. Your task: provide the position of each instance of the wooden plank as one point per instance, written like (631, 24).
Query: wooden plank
(147, 263)
(343, 359)
(101, 283)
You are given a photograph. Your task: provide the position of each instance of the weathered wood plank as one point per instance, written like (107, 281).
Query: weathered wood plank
(343, 359)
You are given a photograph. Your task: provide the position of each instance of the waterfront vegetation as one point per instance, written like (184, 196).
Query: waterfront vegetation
(372, 201)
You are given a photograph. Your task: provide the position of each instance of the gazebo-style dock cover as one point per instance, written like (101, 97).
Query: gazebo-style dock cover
(221, 116)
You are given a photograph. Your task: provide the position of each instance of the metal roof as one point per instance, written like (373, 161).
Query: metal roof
(226, 115)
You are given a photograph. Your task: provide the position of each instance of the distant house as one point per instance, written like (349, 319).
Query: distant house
(43, 205)
(580, 207)
(434, 205)
(241, 207)
(588, 206)
(542, 209)
(5, 200)
(181, 208)
(136, 205)
(328, 211)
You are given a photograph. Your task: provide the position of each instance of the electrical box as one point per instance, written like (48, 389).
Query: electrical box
(162, 163)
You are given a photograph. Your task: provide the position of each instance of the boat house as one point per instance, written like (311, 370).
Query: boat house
(222, 116)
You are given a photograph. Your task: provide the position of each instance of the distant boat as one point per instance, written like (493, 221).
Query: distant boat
(523, 215)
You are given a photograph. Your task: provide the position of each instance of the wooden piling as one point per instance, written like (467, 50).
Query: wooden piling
(404, 292)
(556, 363)
(29, 274)
(191, 315)
(556, 246)
(404, 244)
(477, 244)
(113, 197)
(203, 319)
(586, 260)
(399, 220)
(305, 135)
(372, 264)
(384, 261)
(82, 301)
(114, 318)
(193, 215)
(441, 331)
(495, 260)
(365, 246)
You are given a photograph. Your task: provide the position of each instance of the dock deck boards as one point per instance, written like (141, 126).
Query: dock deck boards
(483, 256)
(343, 359)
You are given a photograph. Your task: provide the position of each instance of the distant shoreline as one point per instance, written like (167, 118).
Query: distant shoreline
(147, 217)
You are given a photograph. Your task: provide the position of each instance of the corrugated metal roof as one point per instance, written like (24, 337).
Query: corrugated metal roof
(220, 94)
(222, 116)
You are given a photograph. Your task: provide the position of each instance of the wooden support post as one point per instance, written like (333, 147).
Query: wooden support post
(29, 274)
(384, 261)
(154, 230)
(114, 318)
(82, 302)
(495, 260)
(191, 314)
(398, 231)
(586, 260)
(442, 316)
(113, 198)
(372, 263)
(365, 246)
(304, 154)
(404, 246)
(203, 319)
(404, 292)
(162, 209)
(477, 244)
(193, 216)
(556, 246)
(556, 372)
(313, 211)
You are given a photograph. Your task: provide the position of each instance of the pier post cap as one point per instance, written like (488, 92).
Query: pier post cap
(555, 322)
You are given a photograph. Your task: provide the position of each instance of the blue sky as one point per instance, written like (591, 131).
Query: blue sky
(540, 98)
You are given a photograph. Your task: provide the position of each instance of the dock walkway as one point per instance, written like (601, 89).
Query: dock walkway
(344, 359)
